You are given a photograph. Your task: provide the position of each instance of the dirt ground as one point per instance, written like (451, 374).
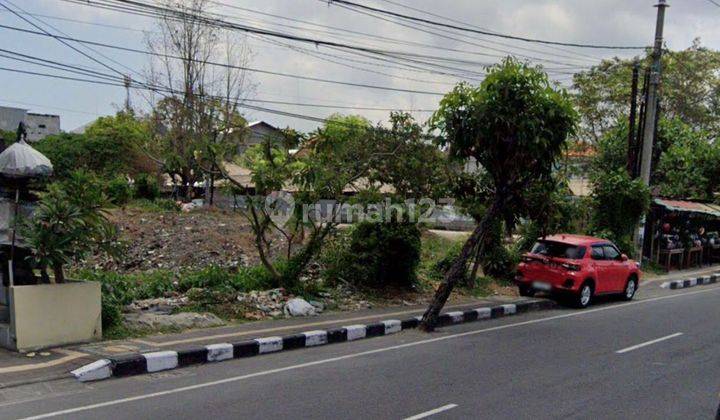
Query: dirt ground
(180, 240)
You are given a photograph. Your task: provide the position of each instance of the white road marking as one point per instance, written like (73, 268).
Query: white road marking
(432, 412)
(647, 343)
(356, 355)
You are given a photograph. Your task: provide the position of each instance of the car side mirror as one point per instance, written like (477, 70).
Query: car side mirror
(624, 257)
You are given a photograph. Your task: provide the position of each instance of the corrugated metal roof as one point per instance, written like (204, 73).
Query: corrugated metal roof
(689, 206)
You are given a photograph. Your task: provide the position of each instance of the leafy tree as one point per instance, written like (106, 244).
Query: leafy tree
(514, 125)
(690, 168)
(109, 147)
(618, 203)
(418, 168)
(684, 159)
(68, 224)
(690, 80)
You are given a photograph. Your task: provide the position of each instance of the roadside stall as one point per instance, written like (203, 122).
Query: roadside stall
(685, 233)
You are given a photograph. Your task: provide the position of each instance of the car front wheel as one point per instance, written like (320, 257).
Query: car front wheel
(584, 297)
(630, 289)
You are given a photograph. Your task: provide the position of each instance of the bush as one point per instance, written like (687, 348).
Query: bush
(500, 262)
(146, 186)
(154, 284)
(378, 255)
(119, 290)
(167, 204)
(618, 203)
(160, 205)
(119, 191)
(442, 265)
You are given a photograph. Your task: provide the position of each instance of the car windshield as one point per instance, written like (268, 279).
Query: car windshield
(558, 250)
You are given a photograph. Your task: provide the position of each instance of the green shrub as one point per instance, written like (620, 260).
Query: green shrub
(154, 284)
(160, 205)
(253, 278)
(211, 277)
(500, 262)
(167, 204)
(119, 191)
(146, 186)
(378, 255)
(618, 203)
(442, 265)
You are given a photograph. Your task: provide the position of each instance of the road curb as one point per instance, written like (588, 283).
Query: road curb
(692, 282)
(141, 363)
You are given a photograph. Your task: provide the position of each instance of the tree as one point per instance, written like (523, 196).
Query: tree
(200, 103)
(684, 159)
(690, 88)
(514, 125)
(110, 147)
(68, 224)
(618, 203)
(690, 169)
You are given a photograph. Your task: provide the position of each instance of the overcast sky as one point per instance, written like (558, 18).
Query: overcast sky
(608, 22)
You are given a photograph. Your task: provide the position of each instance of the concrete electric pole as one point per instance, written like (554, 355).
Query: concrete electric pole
(652, 100)
(651, 106)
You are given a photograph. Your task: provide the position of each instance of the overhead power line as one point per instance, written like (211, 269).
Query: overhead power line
(565, 50)
(481, 32)
(114, 81)
(156, 11)
(327, 30)
(212, 63)
(172, 91)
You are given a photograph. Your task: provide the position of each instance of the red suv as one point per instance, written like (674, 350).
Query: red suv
(579, 266)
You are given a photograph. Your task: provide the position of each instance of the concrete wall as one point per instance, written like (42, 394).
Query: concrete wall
(11, 117)
(55, 314)
(41, 125)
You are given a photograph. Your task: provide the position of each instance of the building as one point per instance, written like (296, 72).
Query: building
(259, 131)
(38, 125)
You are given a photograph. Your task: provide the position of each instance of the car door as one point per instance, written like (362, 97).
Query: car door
(603, 275)
(617, 267)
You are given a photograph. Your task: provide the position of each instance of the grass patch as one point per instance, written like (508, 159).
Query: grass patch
(158, 205)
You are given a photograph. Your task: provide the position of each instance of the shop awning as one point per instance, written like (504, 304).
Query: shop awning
(689, 206)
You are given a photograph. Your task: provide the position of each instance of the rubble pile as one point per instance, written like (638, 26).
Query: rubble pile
(179, 241)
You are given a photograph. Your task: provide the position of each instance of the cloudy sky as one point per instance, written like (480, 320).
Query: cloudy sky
(463, 54)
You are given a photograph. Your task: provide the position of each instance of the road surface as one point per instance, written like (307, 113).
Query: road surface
(658, 356)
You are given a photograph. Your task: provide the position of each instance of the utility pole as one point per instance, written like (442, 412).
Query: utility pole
(127, 81)
(650, 119)
(632, 140)
(651, 105)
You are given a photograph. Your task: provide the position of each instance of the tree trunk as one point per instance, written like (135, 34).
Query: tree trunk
(457, 271)
(59, 273)
(44, 277)
(476, 266)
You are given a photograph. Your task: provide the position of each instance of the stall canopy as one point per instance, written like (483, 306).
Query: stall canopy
(689, 206)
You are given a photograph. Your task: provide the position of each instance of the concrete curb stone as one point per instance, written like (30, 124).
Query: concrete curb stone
(692, 282)
(141, 363)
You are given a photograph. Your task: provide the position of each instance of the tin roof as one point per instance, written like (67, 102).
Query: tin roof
(689, 206)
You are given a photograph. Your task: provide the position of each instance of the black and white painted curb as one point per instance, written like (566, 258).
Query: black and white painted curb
(137, 364)
(692, 282)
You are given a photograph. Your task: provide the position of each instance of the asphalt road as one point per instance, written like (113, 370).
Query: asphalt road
(656, 357)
